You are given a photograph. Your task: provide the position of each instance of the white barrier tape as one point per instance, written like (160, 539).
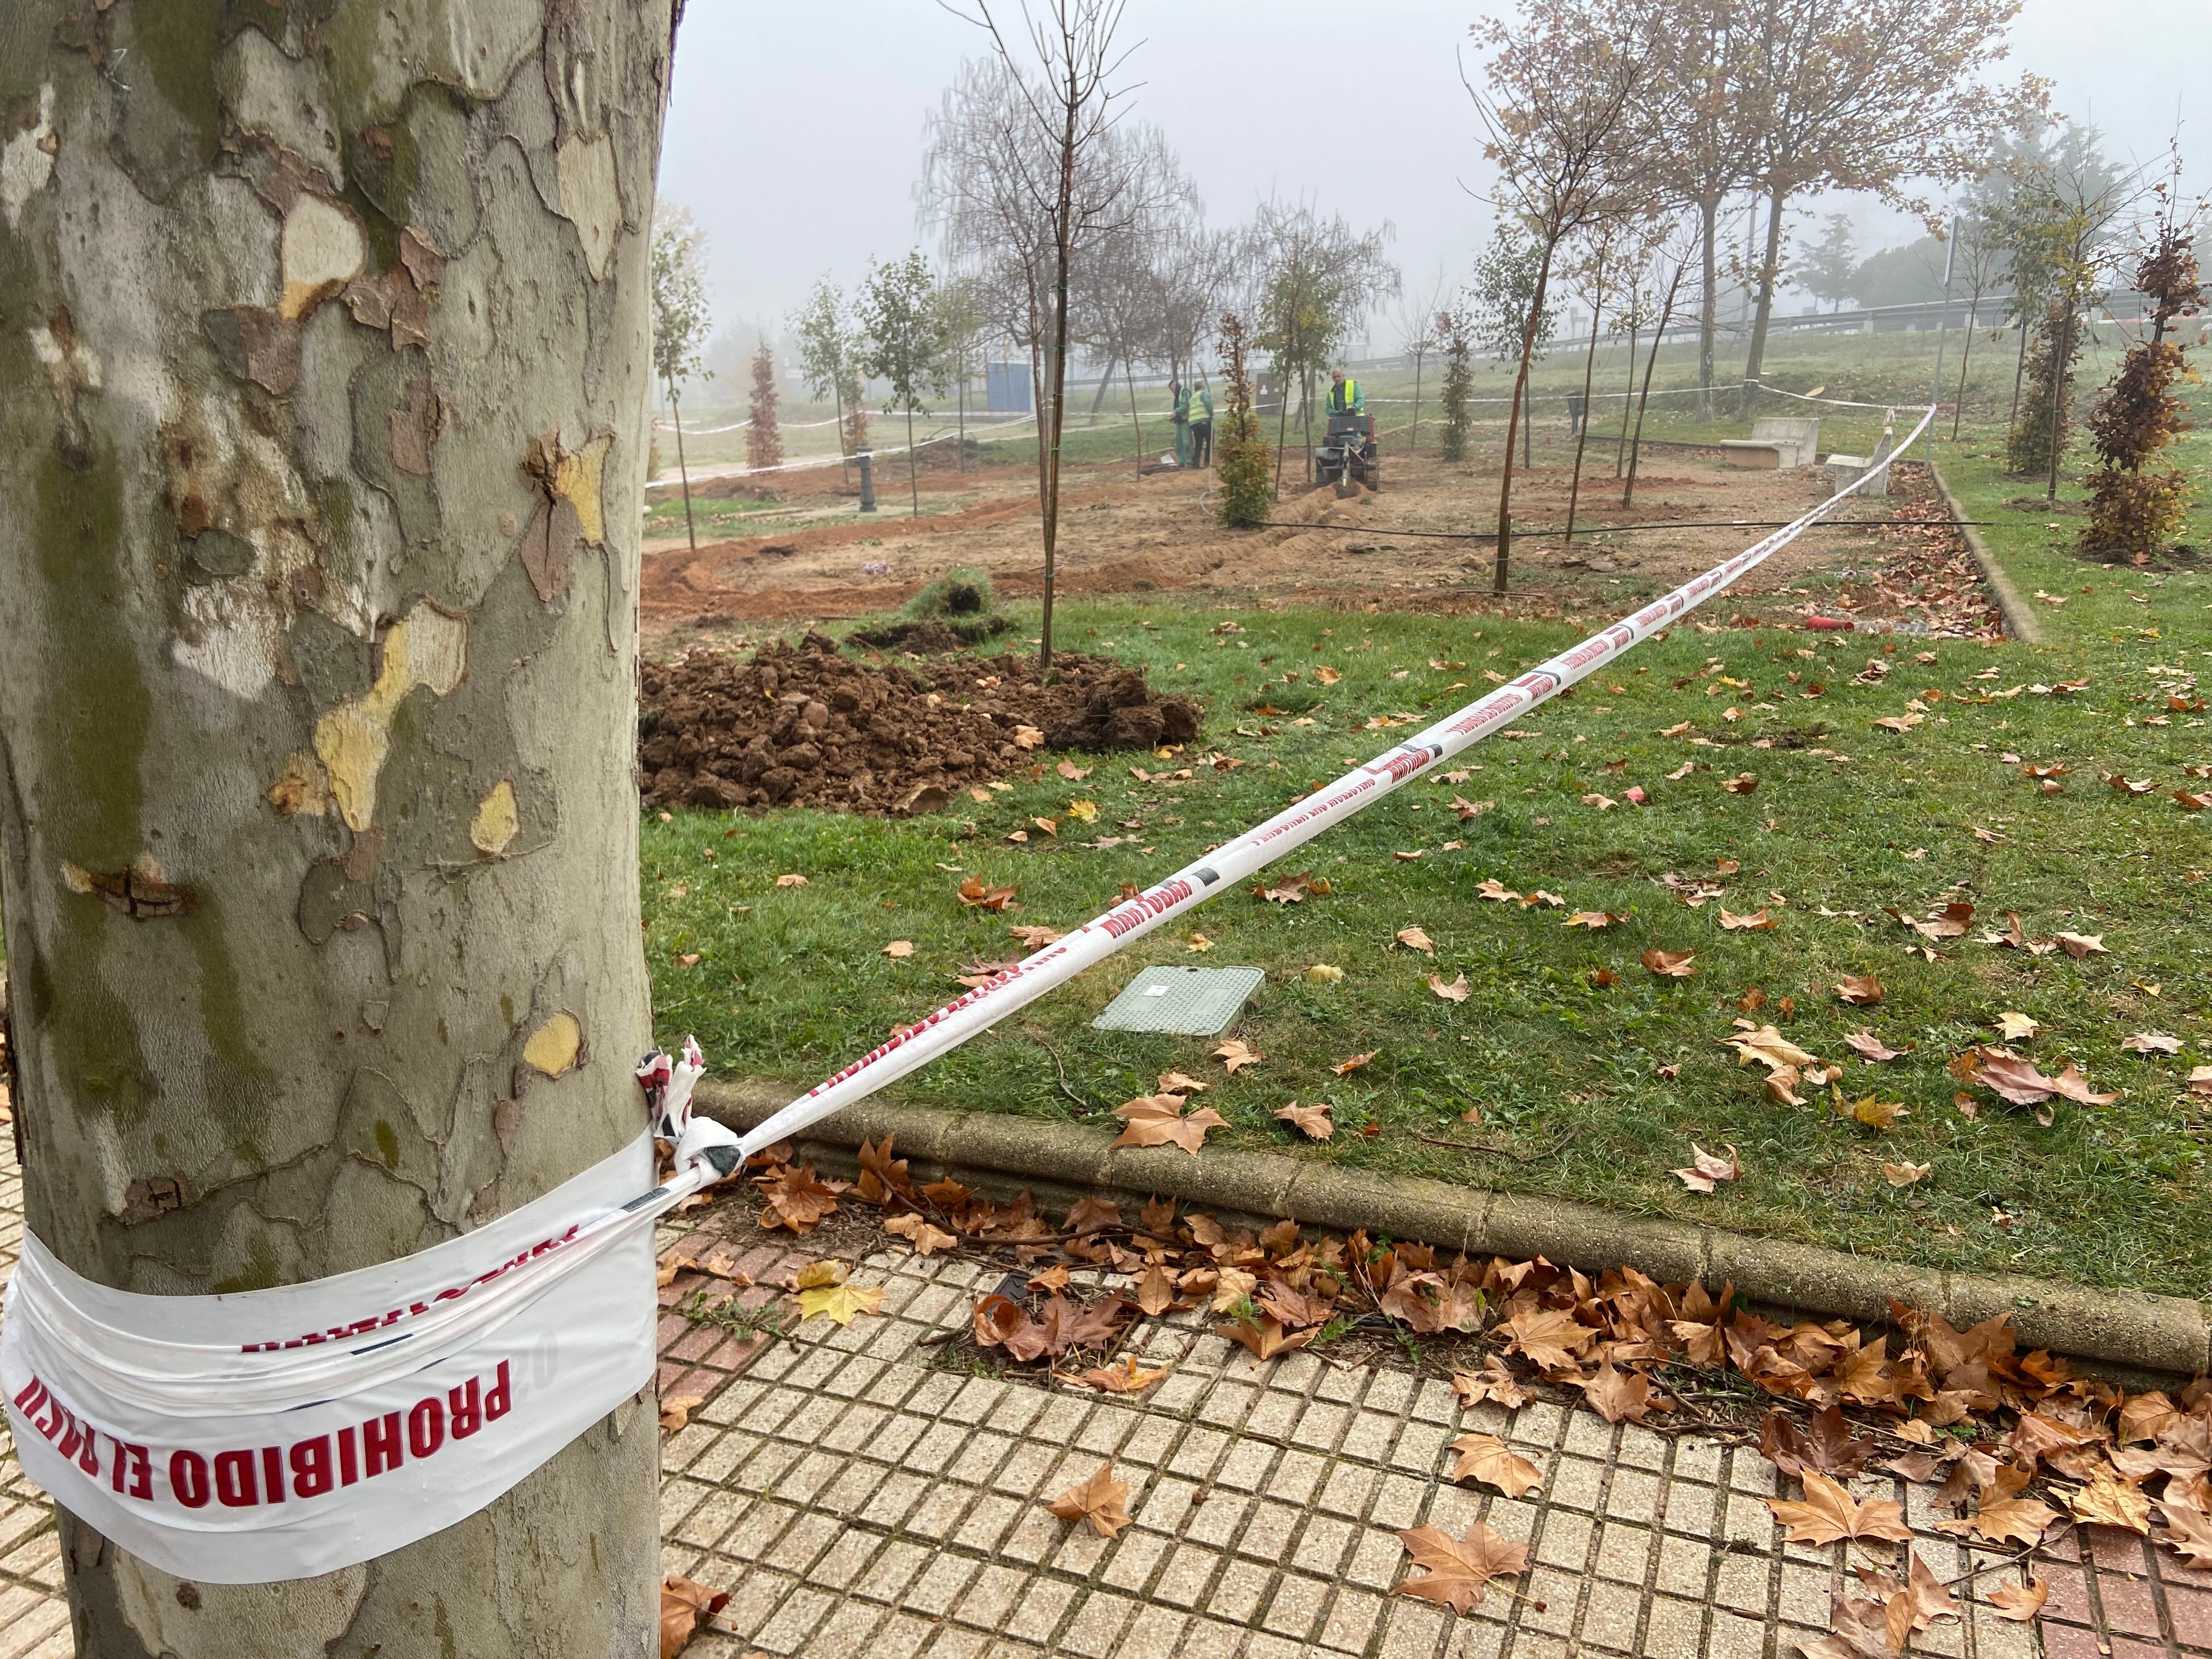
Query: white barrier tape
(1227, 865)
(281, 1433)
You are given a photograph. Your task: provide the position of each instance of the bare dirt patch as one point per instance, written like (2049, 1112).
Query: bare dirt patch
(806, 725)
(1120, 534)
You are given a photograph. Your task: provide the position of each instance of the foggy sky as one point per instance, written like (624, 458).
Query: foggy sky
(795, 131)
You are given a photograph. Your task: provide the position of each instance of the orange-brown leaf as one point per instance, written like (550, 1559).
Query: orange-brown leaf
(1102, 1500)
(1458, 1569)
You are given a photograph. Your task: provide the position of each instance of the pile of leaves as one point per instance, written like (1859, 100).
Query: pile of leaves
(2016, 1443)
(1927, 574)
(805, 725)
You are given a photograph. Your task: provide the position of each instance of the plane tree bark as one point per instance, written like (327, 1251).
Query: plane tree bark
(322, 394)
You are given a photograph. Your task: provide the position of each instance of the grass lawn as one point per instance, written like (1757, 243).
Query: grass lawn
(791, 982)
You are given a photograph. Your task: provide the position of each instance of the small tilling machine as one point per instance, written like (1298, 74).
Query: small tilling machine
(1349, 455)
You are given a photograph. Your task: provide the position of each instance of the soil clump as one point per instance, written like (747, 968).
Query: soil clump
(805, 725)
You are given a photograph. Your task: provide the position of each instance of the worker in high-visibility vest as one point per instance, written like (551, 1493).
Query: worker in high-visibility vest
(1181, 393)
(1344, 396)
(1201, 427)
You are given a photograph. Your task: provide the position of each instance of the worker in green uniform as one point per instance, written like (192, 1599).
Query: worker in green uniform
(1201, 427)
(1344, 397)
(1181, 393)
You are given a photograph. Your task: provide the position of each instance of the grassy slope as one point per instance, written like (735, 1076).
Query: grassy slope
(791, 981)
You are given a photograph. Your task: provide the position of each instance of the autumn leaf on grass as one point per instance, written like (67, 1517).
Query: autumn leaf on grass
(1670, 965)
(1327, 675)
(1459, 1568)
(1313, 1122)
(1706, 1170)
(1756, 921)
(2022, 1520)
(1161, 1120)
(2151, 1043)
(973, 891)
(927, 1240)
(791, 880)
(1034, 938)
(1235, 1056)
(823, 1290)
(1291, 890)
(2105, 1502)
(1859, 992)
(1073, 773)
(1742, 784)
(1124, 1378)
(2017, 1028)
(683, 1605)
(793, 1196)
(1175, 1083)
(1828, 1514)
(1903, 1175)
(1867, 1109)
(1870, 1047)
(899, 948)
(1414, 939)
(1592, 920)
(2020, 1602)
(1265, 1338)
(1492, 1382)
(1322, 972)
(1899, 722)
(1344, 1066)
(1766, 1045)
(1102, 1500)
(1486, 1458)
(1617, 1395)
(2078, 945)
(676, 1411)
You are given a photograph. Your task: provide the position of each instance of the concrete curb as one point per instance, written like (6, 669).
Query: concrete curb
(2128, 1328)
(2020, 622)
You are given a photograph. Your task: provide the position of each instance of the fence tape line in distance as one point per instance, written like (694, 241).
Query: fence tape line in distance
(1227, 865)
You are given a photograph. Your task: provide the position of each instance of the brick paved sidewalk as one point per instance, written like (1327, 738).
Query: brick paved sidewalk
(856, 1499)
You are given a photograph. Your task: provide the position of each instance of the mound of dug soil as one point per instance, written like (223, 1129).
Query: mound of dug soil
(805, 725)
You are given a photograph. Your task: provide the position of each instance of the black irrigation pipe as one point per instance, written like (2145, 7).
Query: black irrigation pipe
(1615, 529)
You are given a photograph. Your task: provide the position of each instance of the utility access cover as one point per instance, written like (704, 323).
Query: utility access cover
(1188, 1001)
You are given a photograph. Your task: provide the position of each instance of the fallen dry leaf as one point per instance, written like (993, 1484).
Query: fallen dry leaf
(1175, 1083)
(1706, 1169)
(1312, 1121)
(974, 891)
(1742, 784)
(1073, 773)
(2151, 1043)
(2017, 1028)
(1457, 991)
(1828, 1514)
(1235, 1055)
(676, 1411)
(2023, 1520)
(837, 1300)
(1617, 1395)
(927, 1239)
(1344, 1066)
(1414, 939)
(1124, 1378)
(1758, 921)
(683, 1604)
(1161, 1120)
(1670, 965)
(899, 948)
(1102, 1500)
(1492, 1382)
(2190, 1532)
(1872, 1047)
(2078, 945)
(2106, 1501)
(1322, 972)
(793, 880)
(1486, 1458)
(1458, 1569)
(1859, 992)
(1903, 1175)
(1592, 920)
(1867, 1109)
(1265, 1338)
(2020, 1602)
(1828, 1448)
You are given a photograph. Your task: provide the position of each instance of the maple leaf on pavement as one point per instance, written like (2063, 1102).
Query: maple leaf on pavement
(1828, 1448)
(1828, 1514)
(1486, 1458)
(1102, 1500)
(1707, 1167)
(1550, 1337)
(1670, 965)
(2106, 1501)
(1459, 1568)
(822, 1291)
(917, 1230)
(1857, 1629)
(683, 1604)
(1616, 1395)
(2020, 1602)
(1235, 1056)
(2023, 1520)
(1088, 1215)
(793, 1196)
(1161, 1120)
(2191, 1533)
(1124, 1378)
(676, 1411)
(1492, 1382)
(1312, 1121)
(1265, 1338)
(1156, 1289)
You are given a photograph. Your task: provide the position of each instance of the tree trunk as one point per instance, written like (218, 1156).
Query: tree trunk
(1098, 398)
(912, 484)
(1129, 379)
(2019, 368)
(1628, 397)
(320, 486)
(2061, 363)
(1582, 427)
(1769, 269)
(960, 398)
(1966, 356)
(1708, 211)
(683, 472)
(1413, 445)
(1503, 562)
(1063, 254)
(1644, 401)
